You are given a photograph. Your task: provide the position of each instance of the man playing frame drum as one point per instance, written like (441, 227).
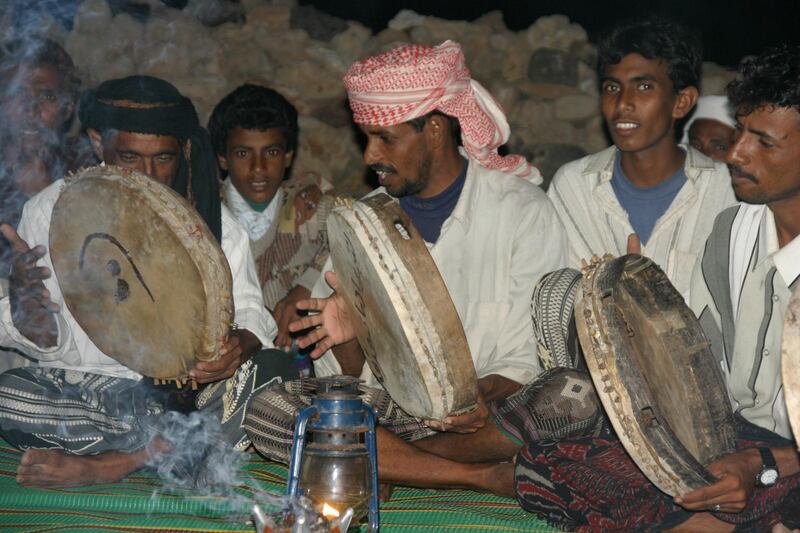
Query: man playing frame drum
(740, 292)
(491, 234)
(144, 124)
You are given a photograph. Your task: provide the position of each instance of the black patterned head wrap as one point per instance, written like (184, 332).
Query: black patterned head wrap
(143, 104)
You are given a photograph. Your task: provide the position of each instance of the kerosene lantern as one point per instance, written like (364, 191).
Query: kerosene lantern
(334, 452)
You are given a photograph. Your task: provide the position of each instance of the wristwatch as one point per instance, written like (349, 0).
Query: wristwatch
(769, 469)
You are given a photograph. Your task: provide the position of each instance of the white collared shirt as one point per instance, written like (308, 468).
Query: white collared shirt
(597, 224)
(760, 275)
(74, 350)
(501, 238)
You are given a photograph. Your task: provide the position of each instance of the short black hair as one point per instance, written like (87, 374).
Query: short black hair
(252, 107)
(655, 38)
(769, 79)
(36, 52)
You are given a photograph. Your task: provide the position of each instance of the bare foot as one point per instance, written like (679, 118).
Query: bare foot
(499, 479)
(55, 468)
(702, 523)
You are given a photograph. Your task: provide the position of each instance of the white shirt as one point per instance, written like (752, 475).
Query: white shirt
(759, 278)
(597, 224)
(74, 350)
(500, 239)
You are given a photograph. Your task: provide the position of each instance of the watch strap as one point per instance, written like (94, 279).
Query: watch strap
(767, 459)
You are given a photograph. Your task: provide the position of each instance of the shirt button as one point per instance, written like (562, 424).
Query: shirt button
(758, 402)
(765, 352)
(775, 298)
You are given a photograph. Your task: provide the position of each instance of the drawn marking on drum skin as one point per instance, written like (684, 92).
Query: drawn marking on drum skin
(123, 289)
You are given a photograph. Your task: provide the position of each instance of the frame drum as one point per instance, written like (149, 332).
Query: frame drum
(140, 271)
(408, 328)
(654, 371)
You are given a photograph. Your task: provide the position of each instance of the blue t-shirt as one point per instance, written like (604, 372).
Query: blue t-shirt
(428, 214)
(645, 205)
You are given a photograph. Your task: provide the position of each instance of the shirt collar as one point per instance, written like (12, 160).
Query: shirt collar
(603, 163)
(786, 259)
(466, 201)
(255, 223)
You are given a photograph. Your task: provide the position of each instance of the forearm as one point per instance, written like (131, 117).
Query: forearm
(350, 358)
(495, 387)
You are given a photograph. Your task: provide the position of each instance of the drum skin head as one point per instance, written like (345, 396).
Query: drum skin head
(654, 372)
(790, 363)
(140, 271)
(409, 329)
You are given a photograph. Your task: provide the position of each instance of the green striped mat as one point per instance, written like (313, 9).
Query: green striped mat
(142, 504)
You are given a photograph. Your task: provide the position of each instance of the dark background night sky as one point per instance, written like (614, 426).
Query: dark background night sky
(729, 29)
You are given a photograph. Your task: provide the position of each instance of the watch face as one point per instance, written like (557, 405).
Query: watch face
(768, 476)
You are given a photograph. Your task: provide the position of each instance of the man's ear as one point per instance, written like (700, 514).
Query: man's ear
(438, 128)
(685, 102)
(97, 142)
(288, 159)
(223, 162)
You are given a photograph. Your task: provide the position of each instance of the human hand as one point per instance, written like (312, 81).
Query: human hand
(285, 313)
(233, 351)
(32, 309)
(467, 423)
(736, 474)
(330, 326)
(634, 244)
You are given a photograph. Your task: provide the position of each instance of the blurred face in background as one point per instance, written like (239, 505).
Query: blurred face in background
(711, 137)
(35, 107)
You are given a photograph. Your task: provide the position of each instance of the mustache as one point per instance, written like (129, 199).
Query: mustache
(383, 168)
(733, 169)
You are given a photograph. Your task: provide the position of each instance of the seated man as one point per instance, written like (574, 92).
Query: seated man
(38, 92)
(711, 128)
(740, 291)
(491, 233)
(254, 133)
(145, 124)
(645, 184)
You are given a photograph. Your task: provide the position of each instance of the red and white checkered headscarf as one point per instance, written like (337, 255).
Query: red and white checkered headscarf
(412, 80)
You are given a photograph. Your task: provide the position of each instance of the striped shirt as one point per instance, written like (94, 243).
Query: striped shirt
(740, 292)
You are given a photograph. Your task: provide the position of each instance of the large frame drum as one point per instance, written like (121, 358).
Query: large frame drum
(654, 371)
(140, 271)
(408, 327)
(790, 363)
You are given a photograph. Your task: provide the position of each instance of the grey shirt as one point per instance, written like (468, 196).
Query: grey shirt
(740, 292)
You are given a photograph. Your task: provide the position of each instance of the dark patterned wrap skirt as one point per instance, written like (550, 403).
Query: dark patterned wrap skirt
(591, 484)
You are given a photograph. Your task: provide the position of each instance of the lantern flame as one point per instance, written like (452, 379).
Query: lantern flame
(329, 512)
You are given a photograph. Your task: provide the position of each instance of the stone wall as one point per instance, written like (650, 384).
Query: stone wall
(542, 76)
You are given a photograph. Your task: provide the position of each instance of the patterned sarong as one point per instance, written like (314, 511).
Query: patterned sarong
(85, 413)
(271, 416)
(591, 484)
(552, 309)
